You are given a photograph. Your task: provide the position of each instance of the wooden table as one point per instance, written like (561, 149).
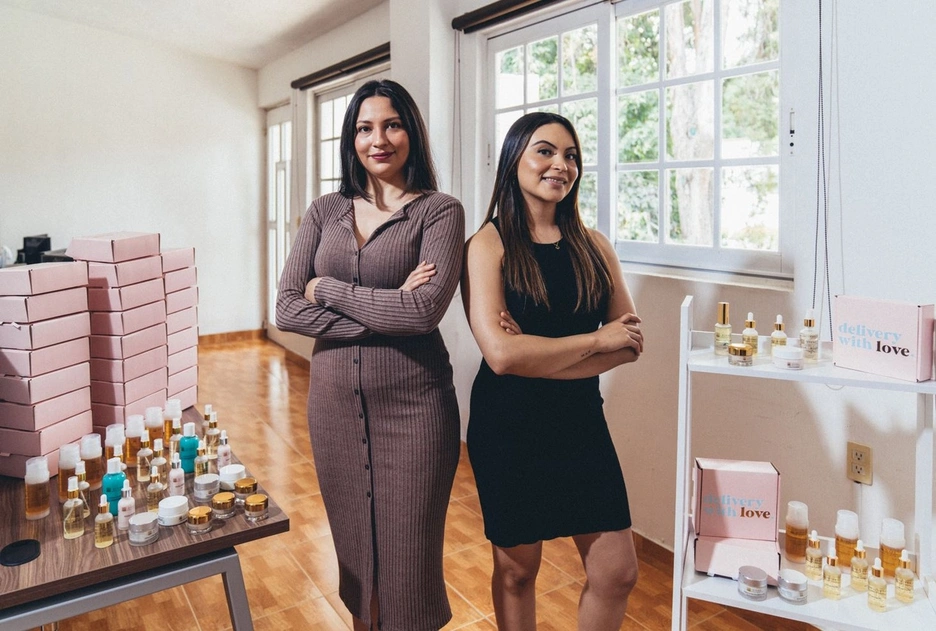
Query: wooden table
(72, 577)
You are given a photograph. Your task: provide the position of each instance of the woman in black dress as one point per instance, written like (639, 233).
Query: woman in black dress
(548, 306)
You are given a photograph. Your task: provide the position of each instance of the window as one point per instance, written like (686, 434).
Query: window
(677, 105)
(331, 110)
(279, 152)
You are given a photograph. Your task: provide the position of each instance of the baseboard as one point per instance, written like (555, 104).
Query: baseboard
(647, 549)
(233, 336)
(296, 358)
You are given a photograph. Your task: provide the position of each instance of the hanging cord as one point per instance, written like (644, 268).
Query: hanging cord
(822, 195)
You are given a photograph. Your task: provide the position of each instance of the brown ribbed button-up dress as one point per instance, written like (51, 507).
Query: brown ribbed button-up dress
(383, 417)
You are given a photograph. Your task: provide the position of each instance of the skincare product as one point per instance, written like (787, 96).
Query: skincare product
(789, 357)
(188, 448)
(155, 491)
(859, 568)
(846, 536)
(813, 557)
(144, 458)
(84, 490)
(793, 586)
(112, 485)
(126, 507)
(231, 474)
(740, 355)
(201, 460)
(244, 488)
(749, 334)
(212, 437)
(176, 477)
(114, 444)
(832, 575)
(93, 456)
(779, 336)
(903, 579)
(73, 512)
(809, 337)
(206, 416)
(160, 462)
(752, 582)
(722, 330)
(207, 485)
(134, 434)
(199, 520)
(797, 529)
(38, 490)
(176, 438)
(223, 504)
(224, 451)
(892, 542)
(153, 421)
(69, 455)
(144, 529)
(172, 510)
(103, 525)
(877, 588)
(257, 508)
(172, 411)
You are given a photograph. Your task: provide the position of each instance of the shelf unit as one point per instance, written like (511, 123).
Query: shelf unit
(696, 355)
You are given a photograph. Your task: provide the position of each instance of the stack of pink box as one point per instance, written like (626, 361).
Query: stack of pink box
(179, 279)
(128, 324)
(45, 398)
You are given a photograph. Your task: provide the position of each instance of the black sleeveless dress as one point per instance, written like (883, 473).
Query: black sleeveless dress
(543, 458)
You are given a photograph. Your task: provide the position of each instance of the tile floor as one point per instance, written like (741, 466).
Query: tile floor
(292, 579)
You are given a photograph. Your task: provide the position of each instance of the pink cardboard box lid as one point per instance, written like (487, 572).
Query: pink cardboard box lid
(31, 418)
(125, 273)
(739, 499)
(124, 298)
(104, 414)
(717, 556)
(129, 391)
(187, 358)
(114, 247)
(43, 306)
(45, 333)
(883, 337)
(180, 279)
(29, 390)
(124, 346)
(182, 299)
(183, 339)
(43, 441)
(177, 258)
(187, 397)
(183, 319)
(41, 278)
(32, 363)
(14, 465)
(183, 380)
(129, 321)
(123, 370)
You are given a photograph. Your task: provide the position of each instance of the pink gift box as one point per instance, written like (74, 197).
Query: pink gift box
(183, 339)
(46, 332)
(737, 499)
(123, 370)
(43, 306)
(41, 278)
(129, 321)
(32, 363)
(180, 279)
(182, 299)
(129, 391)
(14, 465)
(104, 414)
(187, 397)
(124, 346)
(177, 258)
(883, 337)
(179, 320)
(52, 384)
(718, 556)
(43, 441)
(114, 247)
(183, 380)
(125, 273)
(124, 298)
(187, 358)
(34, 417)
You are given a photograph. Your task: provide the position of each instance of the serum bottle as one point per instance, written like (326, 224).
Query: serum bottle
(846, 536)
(224, 451)
(159, 461)
(722, 330)
(176, 476)
(144, 458)
(201, 460)
(904, 579)
(93, 456)
(212, 437)
(859, 569)
(155, 491)
(779, 336)
(126, 507)
(103, 525)
(797, 527)
(809, 337)
(84, 489)
(176, 438)
(892, 542)
(134, 434)
(832, 576)
(749, 334)
(877, 588)
(153, 421)
(74, 513)
(813, 558)
(38, 491)
(69, 455)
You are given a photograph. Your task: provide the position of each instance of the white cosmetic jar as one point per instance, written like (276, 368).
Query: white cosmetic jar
(144, 529)
(792, 586)
(752, 582)
(231, 474)
(173, 510)
(789, 357)
(206, 486)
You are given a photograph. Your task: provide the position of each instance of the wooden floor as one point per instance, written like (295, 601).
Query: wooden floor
(292, 579)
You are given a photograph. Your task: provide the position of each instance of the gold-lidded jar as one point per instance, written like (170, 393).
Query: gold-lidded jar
(223, 504)
(199, 520)
(244, 488)
(256, 507)
(740, 355)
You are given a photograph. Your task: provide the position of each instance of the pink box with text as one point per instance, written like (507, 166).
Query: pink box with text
(114, 247)
(177, 258)
(30, 390)
(124, 298)
(32, 363)
(34, 417)
(104, 414)
(41, 278)
(46, 332)
(129, 391)
(124, 346)
(738, 499)
(48, 438)
(182, 299)
(122, 370)
(130, 321)
(125, 273)
(187, 358)
(43, 306)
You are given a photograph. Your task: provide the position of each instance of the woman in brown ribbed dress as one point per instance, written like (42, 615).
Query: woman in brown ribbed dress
(372, 272)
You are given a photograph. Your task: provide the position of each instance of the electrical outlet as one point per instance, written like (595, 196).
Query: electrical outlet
(859, 463)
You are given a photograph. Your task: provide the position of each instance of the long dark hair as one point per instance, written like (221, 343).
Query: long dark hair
(419, 171)
(521, 271)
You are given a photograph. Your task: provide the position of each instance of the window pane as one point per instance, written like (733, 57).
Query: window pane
(584, 116)
(502, 123)
(689, 126)
(287, 140)
(638, 48)
(272, 274)
(638, 121)
(554, 108)
(336, 159)
(751, 31)
(638, 206)
(543, 69)
(325, 118)
(690, 200)
(750, 106)
(273, 144)
(580, 60)
(509, 77)
(750, 208)
(689, 38)
(341, 104)
(588, 199)
(326, 167)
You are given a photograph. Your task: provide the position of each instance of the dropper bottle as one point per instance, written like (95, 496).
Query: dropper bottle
(809, 337)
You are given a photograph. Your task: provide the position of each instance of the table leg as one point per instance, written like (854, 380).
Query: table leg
(236, 593)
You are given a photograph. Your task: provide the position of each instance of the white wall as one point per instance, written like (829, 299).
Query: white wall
(101, 132)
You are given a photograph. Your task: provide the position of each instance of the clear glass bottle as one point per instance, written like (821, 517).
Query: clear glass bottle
(206, 417)
(212, 437)
(69, 455)
(877, 588)
(73, 512)
(892, 542)
(103, 525)
(112, 484)
(846, 536)
(809, 337)
(160, 462)
(38, 490)
(144, 458)
(153, 421)
(134, 442)
(814, 557)
(903, 579)
(155, 490)
(115, 444)
(176, 476)
(176, 438)
(832, 575)
(126, 507)
(172, 411)
(188, 448)
(749, 335)
(859, 568)
(779, 336)
(201, 460)
(93, 455)
(224, 451)
(722, 330)
(797, 529)
(84, 489)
